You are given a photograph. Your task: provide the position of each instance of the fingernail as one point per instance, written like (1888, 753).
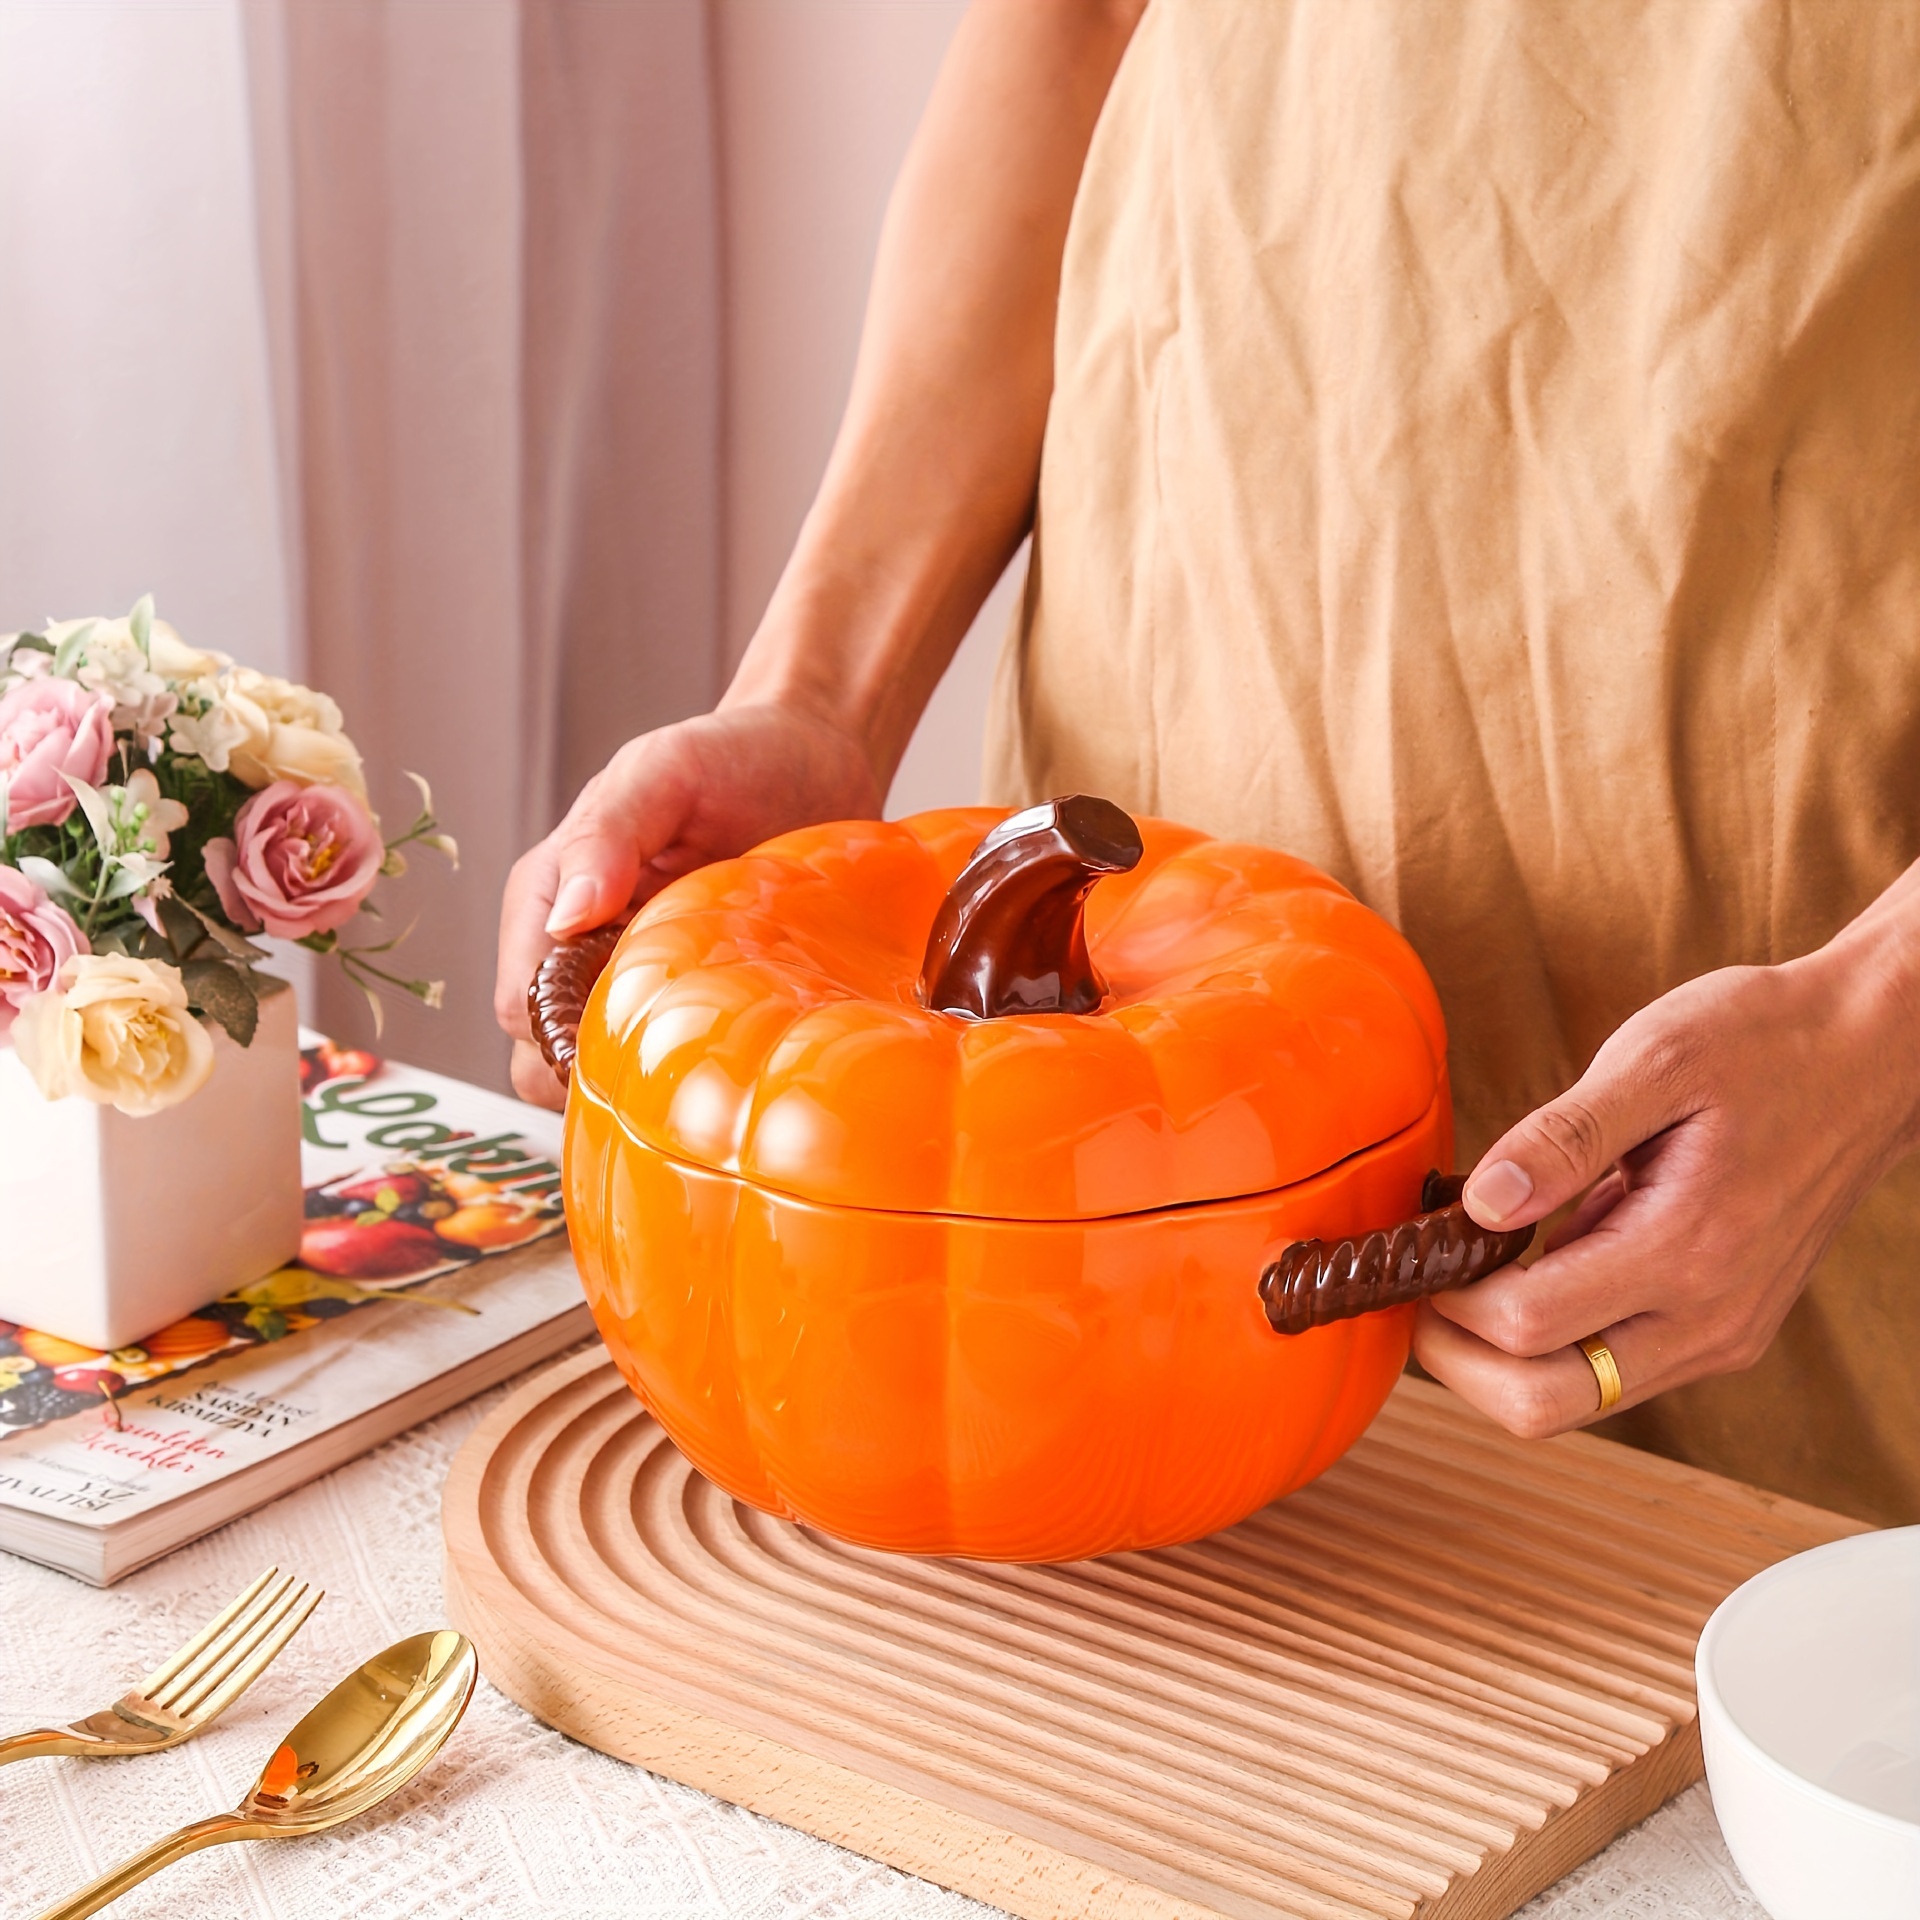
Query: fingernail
(572, 904)
(1499, 1192)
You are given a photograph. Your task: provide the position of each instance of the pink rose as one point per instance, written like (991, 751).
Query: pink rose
(49, 728)
(37, 939)
(300, 861)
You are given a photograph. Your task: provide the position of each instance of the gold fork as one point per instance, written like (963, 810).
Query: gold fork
(194, 1687)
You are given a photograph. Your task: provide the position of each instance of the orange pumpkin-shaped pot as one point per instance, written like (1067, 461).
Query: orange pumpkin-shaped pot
(985, 1281)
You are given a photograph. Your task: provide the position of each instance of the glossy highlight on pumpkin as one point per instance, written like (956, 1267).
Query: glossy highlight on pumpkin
(990, 1287)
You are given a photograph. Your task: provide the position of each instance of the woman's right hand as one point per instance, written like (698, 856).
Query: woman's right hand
(672, 800)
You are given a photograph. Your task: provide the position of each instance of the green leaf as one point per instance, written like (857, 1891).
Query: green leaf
(225, 993)
(216, 929)
(182, 927)
(211, 800)
(134, 938)
(237, 944)
(141, 622)
(129, 879)
(387, 946)
(48, 878)
(373, 1001)
(93, 803)
(66, 656)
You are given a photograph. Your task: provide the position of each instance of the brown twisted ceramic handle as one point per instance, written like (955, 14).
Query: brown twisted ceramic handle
(1439, 1248)
(558, 996)
(1010, 936)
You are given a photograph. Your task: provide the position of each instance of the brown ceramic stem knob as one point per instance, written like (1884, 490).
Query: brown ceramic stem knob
(1441, 1247)
(558, 996)
(1010, 936)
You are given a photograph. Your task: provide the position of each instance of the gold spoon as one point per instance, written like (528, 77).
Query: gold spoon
(365, 1740)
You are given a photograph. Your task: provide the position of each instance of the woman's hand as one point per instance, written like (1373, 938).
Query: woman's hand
(1721, 1137)
(704, 789)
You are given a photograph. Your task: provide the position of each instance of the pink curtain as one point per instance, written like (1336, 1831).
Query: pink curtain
(491, 241)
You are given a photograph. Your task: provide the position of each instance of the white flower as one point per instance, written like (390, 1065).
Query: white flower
(111, 662)
(17, 664)
(142, 821)
(207, 726)
(292, 733)
(116, 1031)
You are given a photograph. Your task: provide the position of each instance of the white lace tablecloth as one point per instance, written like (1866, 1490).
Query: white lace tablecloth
(514, 1819)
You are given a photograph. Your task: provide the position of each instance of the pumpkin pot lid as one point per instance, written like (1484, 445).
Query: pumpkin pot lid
(1233, 1021)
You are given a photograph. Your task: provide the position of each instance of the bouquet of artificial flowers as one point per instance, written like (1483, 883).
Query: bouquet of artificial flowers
(158, 805)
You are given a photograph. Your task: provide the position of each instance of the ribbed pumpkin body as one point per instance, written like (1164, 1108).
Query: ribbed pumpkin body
(989, 1288)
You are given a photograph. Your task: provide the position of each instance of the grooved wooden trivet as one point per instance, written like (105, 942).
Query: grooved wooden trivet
(1427, 1685)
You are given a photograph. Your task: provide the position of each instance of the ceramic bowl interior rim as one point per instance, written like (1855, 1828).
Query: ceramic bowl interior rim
(1725, 1719)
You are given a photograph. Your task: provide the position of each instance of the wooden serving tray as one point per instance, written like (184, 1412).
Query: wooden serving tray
(1427, 1685)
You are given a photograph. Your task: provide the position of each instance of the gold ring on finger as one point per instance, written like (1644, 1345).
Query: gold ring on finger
(1606, 1370)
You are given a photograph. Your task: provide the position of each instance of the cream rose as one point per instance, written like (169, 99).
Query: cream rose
(288, 732)
(171, 655)
(116, 1031)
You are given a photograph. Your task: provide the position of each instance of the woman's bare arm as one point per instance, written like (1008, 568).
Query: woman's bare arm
(929, 490)
(931, 484)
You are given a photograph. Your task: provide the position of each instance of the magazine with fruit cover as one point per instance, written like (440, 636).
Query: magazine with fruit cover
(433, 1264)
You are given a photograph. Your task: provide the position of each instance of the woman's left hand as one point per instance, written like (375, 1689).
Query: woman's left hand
(1721, 1137)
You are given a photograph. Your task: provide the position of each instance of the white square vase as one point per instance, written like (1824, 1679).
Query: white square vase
(112, 1227)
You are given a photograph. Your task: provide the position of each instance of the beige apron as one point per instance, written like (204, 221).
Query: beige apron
(1485, 459)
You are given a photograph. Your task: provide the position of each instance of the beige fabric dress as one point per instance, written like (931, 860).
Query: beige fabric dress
(1485, 460)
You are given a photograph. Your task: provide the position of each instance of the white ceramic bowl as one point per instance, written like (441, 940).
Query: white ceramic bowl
(1810, 1715)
